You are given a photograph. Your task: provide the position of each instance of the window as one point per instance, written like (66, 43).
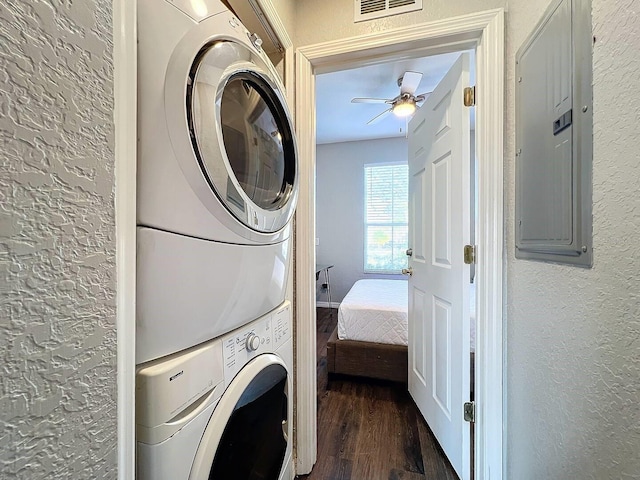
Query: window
(386, 190)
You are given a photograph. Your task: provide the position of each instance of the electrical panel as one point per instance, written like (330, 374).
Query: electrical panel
(554, 138)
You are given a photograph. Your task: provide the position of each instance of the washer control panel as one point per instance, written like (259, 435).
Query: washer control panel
(264, 335)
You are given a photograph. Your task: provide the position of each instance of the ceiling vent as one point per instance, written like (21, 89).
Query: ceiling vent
(370, 9)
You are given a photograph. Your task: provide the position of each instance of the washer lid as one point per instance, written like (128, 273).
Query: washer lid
(242, 136)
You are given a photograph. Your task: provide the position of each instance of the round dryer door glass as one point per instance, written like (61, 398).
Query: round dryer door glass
(242, 135)
(253, 444)
(253, 140)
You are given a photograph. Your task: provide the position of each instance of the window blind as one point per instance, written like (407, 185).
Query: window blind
(386, 217)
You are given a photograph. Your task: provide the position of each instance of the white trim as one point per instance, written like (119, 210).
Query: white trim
(325, 304)
(271, 14)
(289, 77)
(125, 104)
(305, 269)
(386, 164)
(404, 42)
(490, 372)
(485, 32)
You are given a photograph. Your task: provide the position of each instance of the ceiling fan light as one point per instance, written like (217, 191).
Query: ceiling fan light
(404, 108)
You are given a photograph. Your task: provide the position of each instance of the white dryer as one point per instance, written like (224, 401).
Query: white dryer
(221, 410)
(217, 176)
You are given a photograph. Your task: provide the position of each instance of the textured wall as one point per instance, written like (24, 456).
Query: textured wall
(286, 11)
(57, 241)
(340, 210)
(321, 21)
(573, 334)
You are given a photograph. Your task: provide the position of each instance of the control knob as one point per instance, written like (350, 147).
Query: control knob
(253, 342)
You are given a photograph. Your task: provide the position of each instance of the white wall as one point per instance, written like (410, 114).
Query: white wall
(286, 12)
(340, 208)
(321, 21)
(57, 241)
(572, 334)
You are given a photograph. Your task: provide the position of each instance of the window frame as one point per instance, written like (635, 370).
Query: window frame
(392, 224)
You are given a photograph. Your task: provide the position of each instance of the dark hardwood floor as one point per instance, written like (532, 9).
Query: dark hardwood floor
(370, 430)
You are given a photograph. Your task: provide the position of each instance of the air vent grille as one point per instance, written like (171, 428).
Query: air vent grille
(370, 9)
(372, 6)
(400, 3)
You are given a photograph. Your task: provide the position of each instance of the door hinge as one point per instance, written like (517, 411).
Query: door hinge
(470, 412)
(469, 254)
(470, 96)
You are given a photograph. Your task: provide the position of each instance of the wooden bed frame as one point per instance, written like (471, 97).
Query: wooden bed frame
(367, 359)
(373, 360)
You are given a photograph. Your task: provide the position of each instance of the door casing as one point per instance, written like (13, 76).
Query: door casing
(483, 31)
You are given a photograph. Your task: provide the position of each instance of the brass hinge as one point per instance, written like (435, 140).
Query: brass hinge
(469, 254)
(470, 412)
(469, 96)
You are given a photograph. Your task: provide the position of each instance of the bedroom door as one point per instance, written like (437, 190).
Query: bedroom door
(439, 219)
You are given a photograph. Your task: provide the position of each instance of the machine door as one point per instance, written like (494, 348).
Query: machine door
(242, 135)
(247, 436)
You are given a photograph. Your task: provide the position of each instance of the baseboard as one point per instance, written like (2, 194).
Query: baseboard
(326, 304)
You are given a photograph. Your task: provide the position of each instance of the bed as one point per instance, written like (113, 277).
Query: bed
(370, 339)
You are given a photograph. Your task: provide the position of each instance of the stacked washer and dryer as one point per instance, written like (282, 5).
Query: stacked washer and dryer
(217, 187)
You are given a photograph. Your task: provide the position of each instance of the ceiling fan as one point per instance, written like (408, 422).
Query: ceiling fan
(405, 104)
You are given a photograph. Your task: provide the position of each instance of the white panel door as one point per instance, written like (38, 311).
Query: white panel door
(439, 227)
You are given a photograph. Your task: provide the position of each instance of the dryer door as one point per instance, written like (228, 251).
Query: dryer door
(247, 435)
(242, 135)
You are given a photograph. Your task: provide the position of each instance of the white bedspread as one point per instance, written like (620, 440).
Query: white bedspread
(375, 311)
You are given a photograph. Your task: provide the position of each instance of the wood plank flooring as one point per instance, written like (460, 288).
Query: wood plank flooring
(370, 430)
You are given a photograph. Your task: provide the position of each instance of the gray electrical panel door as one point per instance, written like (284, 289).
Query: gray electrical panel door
(553, 138)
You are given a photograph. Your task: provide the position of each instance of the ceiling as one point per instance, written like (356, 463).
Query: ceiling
(339, 120)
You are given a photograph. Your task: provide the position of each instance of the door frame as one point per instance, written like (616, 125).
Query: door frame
(483, 31)
(125, 54)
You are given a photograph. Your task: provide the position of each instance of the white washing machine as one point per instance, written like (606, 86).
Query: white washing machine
(217, 176)
(221, 410)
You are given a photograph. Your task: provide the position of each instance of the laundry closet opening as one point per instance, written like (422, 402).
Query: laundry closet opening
(217, 186)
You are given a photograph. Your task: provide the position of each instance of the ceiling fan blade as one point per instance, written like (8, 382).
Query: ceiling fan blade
(370, 100)
(410, 82)
(379, 117)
